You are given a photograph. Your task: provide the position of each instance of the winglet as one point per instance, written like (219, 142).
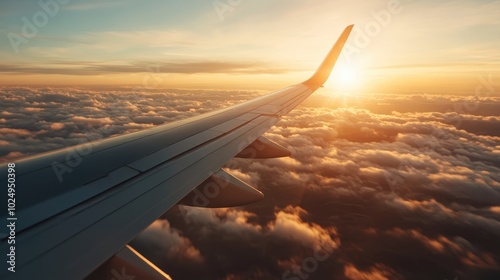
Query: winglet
(319, 78)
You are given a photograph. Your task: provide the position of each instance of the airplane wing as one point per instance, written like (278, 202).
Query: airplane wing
(75, 209)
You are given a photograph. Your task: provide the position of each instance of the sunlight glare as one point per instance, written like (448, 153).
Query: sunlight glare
(345, 76)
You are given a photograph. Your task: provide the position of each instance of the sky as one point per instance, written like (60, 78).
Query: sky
(397, 45)
(394, 172)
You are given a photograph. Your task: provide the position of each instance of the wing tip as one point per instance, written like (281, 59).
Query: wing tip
(323, 73)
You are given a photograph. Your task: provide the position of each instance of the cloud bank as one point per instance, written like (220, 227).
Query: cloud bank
(374, 189)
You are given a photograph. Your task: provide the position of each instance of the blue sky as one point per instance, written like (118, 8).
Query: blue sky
(271, 42)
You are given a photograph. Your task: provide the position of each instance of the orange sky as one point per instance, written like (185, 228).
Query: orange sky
(397, 45)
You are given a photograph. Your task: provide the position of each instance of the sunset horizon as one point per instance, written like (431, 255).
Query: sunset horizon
(392, 48)
(239, 140)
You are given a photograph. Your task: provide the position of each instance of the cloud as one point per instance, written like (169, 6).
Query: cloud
(15, 132)
(420, 171)
(92, 121)
(169, 243)
(379, 184)
(224, 220)
(495, 209)
(377, 272)
(288, 224)
(184, 67)
(57, 126)
(458, 246)
(270, 247)
(91, 6)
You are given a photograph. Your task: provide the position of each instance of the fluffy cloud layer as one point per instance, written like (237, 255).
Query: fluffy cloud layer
(37, 120)
(375, 188)
(237, 244)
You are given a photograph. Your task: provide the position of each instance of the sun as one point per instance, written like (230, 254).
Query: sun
(348, 77)
(345, 77)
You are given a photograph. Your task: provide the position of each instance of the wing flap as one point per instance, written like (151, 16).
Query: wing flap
(128, 264)
(264, 148)
(222, 190)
